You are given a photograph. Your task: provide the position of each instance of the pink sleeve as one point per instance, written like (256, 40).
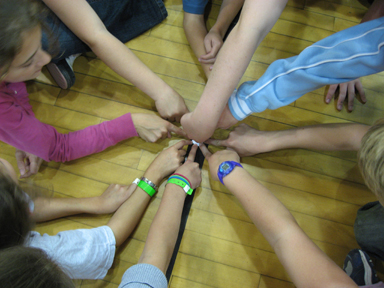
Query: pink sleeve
(25, 132)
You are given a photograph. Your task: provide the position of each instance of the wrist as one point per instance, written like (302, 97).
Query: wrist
(153, 176)
(217, 30)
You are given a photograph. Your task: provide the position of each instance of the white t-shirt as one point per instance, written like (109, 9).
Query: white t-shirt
(81, 253)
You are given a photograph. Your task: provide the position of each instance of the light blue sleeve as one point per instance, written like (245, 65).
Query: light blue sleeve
(342, 57)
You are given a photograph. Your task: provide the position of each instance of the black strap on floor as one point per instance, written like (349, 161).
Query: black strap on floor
(184, 216)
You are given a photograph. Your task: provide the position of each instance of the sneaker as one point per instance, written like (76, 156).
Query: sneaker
(366, 3)
(360, 268)
(62, 72)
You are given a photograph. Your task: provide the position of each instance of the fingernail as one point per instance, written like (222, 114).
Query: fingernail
(339, 107)
(327, 100)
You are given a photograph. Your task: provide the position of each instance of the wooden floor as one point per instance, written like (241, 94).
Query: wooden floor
(221, 247)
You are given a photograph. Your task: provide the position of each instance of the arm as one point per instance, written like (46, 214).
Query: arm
(82, 20)
(195, 31)
(46, 209)
(247, 141)
(130, 212)
(295, 250)
(206, 45)
(257, 19)
(164, 229)
(214, 39)
(348, 89)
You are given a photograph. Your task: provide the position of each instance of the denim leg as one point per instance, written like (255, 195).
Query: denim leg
(341, 57)
(369, 229)
(125, 19)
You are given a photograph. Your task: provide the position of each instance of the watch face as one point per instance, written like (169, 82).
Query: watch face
(224, 167)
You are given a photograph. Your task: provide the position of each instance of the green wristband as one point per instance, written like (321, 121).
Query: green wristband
(182, 184)
(147, 188)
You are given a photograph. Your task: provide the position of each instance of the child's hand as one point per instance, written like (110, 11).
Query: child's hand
(216, 159)
(246, 141)
(151, 127)
(167, 162)
(171, 106)
(113, 197)
(212, 43)
(28, 163)
(190, 169)
(346, 90)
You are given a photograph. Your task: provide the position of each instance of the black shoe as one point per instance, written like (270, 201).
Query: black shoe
(359, 267)
(62, 73)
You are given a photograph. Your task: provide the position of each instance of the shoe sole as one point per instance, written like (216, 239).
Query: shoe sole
(61, 76)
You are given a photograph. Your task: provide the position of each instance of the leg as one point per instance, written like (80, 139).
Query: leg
(339, 58)
(369, 229)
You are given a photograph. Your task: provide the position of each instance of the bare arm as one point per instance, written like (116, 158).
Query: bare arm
(256, 20)
(130, 212)
(52, 208)
(79, 16)
(295, 250)
(195, 31)
(206, 45)
(247, 141)
(163, 233)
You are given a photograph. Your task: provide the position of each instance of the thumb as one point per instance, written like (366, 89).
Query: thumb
(177, 130)
(20, 163)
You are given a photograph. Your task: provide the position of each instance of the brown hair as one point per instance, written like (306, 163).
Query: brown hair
(17, 17)
(15, 220)
(371, 158)
(24, 267)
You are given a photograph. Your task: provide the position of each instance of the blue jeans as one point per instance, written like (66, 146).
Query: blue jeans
(369, 229)
(125, 19)
(339, 58)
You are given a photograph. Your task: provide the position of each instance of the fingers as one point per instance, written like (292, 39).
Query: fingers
(216, 142)
(20, 163)
(359, 88)
(342, 95)
(331, 93)
(34, 166)
(351, 96)
(177, 130)
(179, 145)
(205, 151)
(192, 153)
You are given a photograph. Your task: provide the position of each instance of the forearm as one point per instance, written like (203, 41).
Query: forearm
(325, 137)
(375, 11)
(125, 219)
(125, 63)
(195, 31)
(228, 11)
(296, 251)
(163, 233)
(257, 19)
(52, 208)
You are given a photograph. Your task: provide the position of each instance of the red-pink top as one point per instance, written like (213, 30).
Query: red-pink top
(20, 128)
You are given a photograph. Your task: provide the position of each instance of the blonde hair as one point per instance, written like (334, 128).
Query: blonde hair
(371, 158)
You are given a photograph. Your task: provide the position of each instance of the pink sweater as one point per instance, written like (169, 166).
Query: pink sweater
(20, 128)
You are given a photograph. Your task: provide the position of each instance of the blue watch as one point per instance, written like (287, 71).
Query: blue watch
(225, 168)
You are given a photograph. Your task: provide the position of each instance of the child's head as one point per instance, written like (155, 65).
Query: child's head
(23, 267)
(371, 159)
(21, 56)
(15, 220)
